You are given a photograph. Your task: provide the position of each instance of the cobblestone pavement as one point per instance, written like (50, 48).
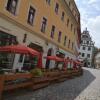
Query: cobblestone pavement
(86, 87)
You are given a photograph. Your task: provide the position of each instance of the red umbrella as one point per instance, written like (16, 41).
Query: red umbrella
(19, 49)
(40, 61)
(55, 58)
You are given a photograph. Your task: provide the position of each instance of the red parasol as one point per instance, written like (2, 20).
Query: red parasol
(40, 61)
(55, 58)
(19, 49)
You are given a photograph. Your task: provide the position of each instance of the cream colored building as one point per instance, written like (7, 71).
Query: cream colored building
(48, 26)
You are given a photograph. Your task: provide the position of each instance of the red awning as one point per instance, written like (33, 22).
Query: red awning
(19, 49)
(55, 58)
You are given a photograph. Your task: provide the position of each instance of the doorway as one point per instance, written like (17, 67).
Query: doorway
(48, 61)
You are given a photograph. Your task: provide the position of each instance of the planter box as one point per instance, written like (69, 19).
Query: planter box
(1, 85)
(15, 86)
(40, 79)
(40, 82)
(17, 76)
(40, 85)
(54, 76)
(19, 80)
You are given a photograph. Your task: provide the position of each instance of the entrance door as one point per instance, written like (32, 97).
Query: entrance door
(48, 61)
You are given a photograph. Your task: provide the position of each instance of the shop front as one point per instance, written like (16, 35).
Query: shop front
(34, 61)
(7, 59)
(60, 54)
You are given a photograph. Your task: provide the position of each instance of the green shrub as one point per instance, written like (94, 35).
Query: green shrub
(36, 72)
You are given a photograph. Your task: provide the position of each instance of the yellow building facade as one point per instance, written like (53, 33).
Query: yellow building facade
(47, 23)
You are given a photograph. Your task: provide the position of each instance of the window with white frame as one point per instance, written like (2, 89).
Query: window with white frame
(12, 6)
(62, 17)
(44, 23)
(88, 55)
(59, 36)
(65, 40)
(89, 48)
(31, 15)
(84, 48)
(83, 55)
(56, 8)
(52, 31)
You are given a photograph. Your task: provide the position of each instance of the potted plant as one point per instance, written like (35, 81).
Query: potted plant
(36, 72)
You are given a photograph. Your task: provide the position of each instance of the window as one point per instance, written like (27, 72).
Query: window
(88, 63)
(48, 1)
(83, 54)
(12, 6)
(81, 41)
(71, 27)
(65, 40)
(83, 48)
(59, 36)
(31, 15)
(21, 58)
(87, 42)
(24, 39)
(89, 48)
(62, 17)
(44, 23)
(7, 39)
(52, 31)
(67, 22)
(56, 8)
(88, 55)
(69, 44)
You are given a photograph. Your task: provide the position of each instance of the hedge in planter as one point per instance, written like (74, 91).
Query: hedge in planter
(36, 72)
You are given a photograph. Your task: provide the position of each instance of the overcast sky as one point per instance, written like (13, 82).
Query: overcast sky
(90, 18)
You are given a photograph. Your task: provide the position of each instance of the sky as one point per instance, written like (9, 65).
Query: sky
(90, 18)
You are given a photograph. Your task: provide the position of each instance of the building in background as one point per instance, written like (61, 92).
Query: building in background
(95, 51)
(86, 49)
(48, 26)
